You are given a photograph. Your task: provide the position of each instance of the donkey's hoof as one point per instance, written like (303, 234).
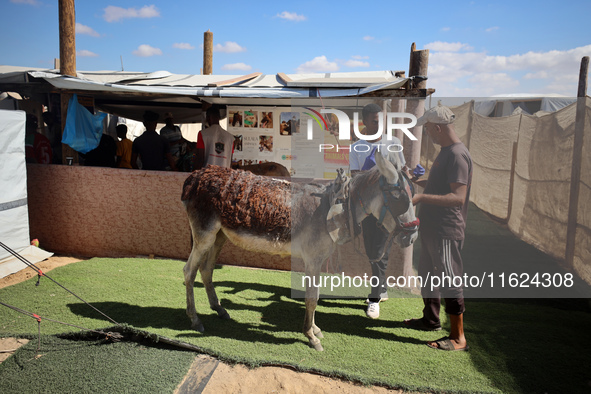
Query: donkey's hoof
(198, 327)
(319, 334)
(317, 346)
(224, 315)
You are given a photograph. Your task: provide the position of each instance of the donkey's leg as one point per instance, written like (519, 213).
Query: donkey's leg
(206, 271)
(202, 243)
(312, 293)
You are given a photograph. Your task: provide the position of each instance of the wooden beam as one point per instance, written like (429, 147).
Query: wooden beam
(411, 93)
(207, 53)
(67, 62)
(418, 65)
(575, 178)
(283, 77)
(67, 31)
(234, 80)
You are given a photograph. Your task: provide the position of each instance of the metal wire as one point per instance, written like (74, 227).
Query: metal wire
(40, 273)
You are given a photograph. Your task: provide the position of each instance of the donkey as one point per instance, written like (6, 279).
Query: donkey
(274, 216)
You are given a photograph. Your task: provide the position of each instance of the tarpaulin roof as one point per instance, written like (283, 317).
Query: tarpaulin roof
(129, 93)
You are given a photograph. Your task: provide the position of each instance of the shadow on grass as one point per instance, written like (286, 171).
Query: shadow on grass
(280, 313)
(537, 344)
(540, 348)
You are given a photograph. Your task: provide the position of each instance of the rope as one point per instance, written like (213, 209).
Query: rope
(40, 318)
(41, 273)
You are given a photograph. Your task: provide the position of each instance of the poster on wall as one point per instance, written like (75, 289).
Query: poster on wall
(257, 136)
(280, 135)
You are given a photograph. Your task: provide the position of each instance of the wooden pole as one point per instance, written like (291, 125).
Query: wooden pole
(419, 62)
(67, 29)
(207, 53)
(575, 178)
(67, 63)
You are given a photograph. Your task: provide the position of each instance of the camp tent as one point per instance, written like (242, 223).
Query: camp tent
(14, 214)
(128, 94)
(507, 104)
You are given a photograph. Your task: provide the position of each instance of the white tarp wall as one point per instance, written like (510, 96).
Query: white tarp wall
(522, 175)
(14, 213)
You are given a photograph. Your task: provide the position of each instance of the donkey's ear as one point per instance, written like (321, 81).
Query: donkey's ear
(386, 168)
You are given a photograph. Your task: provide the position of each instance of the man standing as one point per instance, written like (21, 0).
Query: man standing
(214, 144)
(443, 211)
(375, 239)
(37, 146)
(173, 135)
(151, 147)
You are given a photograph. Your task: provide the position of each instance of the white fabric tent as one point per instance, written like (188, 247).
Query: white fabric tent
(14, 213)
(506, 105)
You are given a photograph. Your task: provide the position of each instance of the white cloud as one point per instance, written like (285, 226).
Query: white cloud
(368, 38)
(83, 29)
(228, 47)
(481, 74)
(237, 66)
(182, 45)
(357, 57)
(539, 75)
(147, 51)
(491, 29)
(114, 14)
(446, 28)
(291, 16)
(356, 63)
(318, 64)
(440, 46)
(85, 53)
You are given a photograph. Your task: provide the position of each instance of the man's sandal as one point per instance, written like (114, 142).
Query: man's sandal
(446, 344)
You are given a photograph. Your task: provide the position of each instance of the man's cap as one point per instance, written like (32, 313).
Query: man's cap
(370, 109)
(168, 115)
(438, 115)
(151, 116)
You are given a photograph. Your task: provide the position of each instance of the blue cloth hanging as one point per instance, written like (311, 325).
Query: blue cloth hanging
(83, 130)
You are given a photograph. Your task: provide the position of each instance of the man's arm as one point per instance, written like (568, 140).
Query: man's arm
(199, 161)
(456, 198)
(199, 158)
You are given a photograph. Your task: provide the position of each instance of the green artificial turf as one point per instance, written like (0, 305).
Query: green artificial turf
(92, 366)
(515, 346)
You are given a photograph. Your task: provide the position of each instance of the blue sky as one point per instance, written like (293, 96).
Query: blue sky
(477, 48)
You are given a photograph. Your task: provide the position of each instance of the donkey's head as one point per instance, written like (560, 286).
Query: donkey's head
(394, 208)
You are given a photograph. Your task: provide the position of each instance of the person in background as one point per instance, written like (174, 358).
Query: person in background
(54, 134)
(123, 147)
(214, 144)
(151, 148)
(173, 135)
(443, 209)
(187, 161)
(103, 155)
(375, 239)
(37, 146)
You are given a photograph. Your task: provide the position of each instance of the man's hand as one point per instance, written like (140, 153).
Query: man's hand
(456, 198)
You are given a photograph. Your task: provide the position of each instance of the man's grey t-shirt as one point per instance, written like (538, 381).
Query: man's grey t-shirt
(452, 165)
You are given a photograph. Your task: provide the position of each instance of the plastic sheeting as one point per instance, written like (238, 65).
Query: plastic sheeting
(522, 175)
(83, 130)
(14, 212)
(14, 216)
